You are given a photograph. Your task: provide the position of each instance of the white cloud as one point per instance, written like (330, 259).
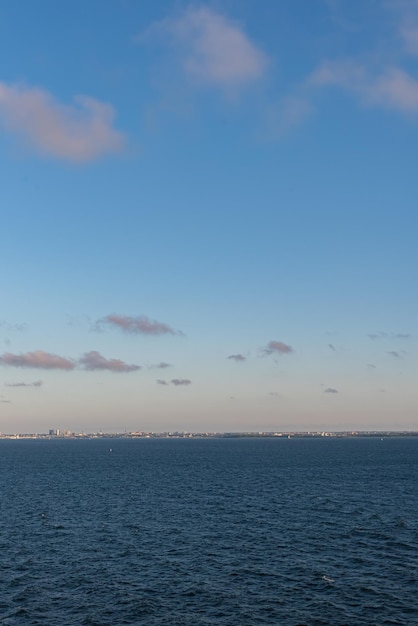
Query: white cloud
(213, 49)
(78, 132)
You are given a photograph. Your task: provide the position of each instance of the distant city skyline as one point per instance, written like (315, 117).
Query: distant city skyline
(209, 216)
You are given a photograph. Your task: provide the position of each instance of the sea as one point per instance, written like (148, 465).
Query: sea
(199, 532)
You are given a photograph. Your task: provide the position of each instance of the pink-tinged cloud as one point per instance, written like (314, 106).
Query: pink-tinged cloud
(95, 361)
(37, 360)
(214, 50)
(77, 132)
(136, 325)
(180, 381)
(36, 383)
(392, 88)
(277, 347)
(238, 358)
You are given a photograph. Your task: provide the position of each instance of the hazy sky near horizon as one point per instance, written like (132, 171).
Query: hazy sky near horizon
(209, 215)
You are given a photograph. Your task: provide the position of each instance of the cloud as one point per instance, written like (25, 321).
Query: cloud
(213, 49)
(136, 325)
(78, 132)
(95, 361)
(37, 360)
(180, 381)
(381, 335)
(395, 354)
(409, 33)
(330, 390)
(159, 381)
(391, 88)
(371, 365)
(331, 347)
(277, 347)
(20, 328)
(407, 14)
(237, 357)
(161, 366)
(288, 114)
(36, 383)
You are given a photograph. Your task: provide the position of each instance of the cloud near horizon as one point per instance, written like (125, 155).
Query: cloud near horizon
(277, 347)
(180, 381)
(330, 390)
(238, 358)
(93, 361)
(37, 360)
(177, 382)
(36, 383)
(213, 49)
(160, 366)
(140, 325)
(77, 132)
(395, 354)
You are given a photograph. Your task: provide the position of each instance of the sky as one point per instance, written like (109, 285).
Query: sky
(208, 215)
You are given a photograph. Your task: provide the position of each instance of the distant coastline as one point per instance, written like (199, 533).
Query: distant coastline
(67, 435)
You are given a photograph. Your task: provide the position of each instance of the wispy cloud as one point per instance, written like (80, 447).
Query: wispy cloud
(406, 13)
(213, 49)
(161, 366)
(332, 347)
(238, 358)
(36, 383)
(136, 325)
(37, 360)
(95, 361)
(19, 328)
(177, 382)
(330, 390)
(277, 347)
(395, 354)
(390, 88)
(180, 381)
(78, 132)
(382, 335)
(286, 115)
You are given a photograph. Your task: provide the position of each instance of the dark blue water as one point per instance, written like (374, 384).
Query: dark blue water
(197, 532)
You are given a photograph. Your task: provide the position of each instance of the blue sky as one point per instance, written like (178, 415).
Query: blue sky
(209, 215)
